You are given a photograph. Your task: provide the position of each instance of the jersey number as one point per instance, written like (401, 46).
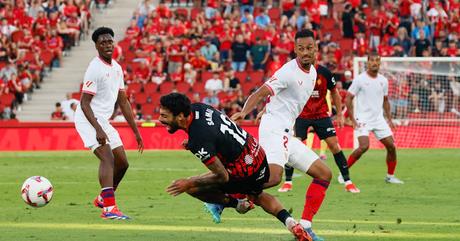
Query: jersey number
(239, 135)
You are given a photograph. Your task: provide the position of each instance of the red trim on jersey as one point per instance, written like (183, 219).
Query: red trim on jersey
(300, 66)
(88, 92)
(103, 61)
(210, 161)
(270, 88)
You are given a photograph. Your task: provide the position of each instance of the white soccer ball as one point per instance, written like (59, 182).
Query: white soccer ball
(37, 191)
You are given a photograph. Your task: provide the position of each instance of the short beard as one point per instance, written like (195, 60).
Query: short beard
(173, 127)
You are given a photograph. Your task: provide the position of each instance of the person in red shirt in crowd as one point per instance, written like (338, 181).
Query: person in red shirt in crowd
(360, 45)
(314, 14)
(334, 49)
(133, 31)
(143, 71)
(375, 27)
(73, 22)
(198, 61)
(178, 75)
(58, 114)
(284, 48)
(384, 49)
(404, 8)
(69, 8)
(452, 50)
(177, 29)
(53, 20)
(176, 53)
(25, 44)
(117, 53)
(225, 39)
(15, 87)
(55, 44)
(163, 10)
(391, 24)
(41, 24)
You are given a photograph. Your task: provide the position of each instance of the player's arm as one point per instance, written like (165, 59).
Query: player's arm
(253, 100)
(338, 106)
(351, 112)
(125, 107)
(218, 175)
(85, 102)
(387, 111)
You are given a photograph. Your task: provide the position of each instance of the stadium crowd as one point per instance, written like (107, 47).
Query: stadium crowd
(217, 51)
(34, 36)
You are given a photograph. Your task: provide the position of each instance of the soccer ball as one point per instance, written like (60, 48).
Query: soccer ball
(37, 191)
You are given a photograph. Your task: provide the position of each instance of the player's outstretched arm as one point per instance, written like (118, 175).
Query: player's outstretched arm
(125, 107)
(253, 100)
(207, 181)
(85, 102)
(351, 112)
(338, 106)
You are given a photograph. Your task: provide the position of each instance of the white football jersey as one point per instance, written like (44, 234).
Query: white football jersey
(369, 93)
(291, 87)
(103, 81)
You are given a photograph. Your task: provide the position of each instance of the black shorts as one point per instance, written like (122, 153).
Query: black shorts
(323, 127)
(253, 185)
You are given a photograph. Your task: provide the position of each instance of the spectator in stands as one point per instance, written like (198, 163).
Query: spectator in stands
(238, 53)
(402, 40)
(230, 81)
(274, 65)
(258, 55)
(143, 72)
(34, 8)
(55, 44)
(7, 71)
(421, 44)
(66, 105)
(400, 103)
(15, 86)
(421, 26)
(438, 50)
(214, 84)
(189, 74)
(6, 28)
(209, 52)
(158, 77)
(247, 17)
(454, 82)
(58, 114)
(347, 20)
(51, 7)
(438, 97)
(211, 9)
(71, 114)
(284, 48)
(452, 50)
(263, 20)
(347, 79)
(198, 61)
(211, 99)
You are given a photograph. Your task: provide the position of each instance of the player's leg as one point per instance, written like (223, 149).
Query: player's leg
(363, 146)
(391, 160)
(322, 150)
(106, 167)
(273, 206)
(120, 167)
(308, 162)
(287, 185)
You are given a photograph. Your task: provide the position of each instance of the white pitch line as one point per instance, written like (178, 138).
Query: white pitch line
(252, 230)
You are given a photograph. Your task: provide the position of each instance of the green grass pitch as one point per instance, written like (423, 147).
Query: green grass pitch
(426, 207)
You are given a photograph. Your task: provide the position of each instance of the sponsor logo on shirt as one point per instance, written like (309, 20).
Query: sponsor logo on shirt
(208, 116)
(202, 154)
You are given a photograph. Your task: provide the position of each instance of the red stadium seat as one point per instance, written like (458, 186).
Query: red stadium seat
(242, 76)
(155, 98)
(134, 88)
(182, 12)
(256, 77)
(206, 75)
(183, 87)
(140, 98)
(166, 87)
(148, 109)
(198, 86)
(259, 33)
(246, 87)
(327, 24)
(346, 45)
(151, 88)
(76, 95)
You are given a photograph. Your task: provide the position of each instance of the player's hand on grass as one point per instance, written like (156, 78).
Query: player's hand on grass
(237, 116)
(340, 121)
(140, 143)
(101, 137)
(178, 186)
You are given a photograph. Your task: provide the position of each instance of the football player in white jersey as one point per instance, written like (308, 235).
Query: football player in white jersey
(103, 88)
(288, 90)
(370, 91)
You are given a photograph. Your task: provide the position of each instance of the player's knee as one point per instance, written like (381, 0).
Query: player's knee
(275, 179)
(326, 175)
(391, 147)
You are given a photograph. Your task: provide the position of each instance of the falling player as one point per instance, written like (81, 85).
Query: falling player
(315, 114)
(235, 159)
(289, 89)
(370, 89)
(103, 87)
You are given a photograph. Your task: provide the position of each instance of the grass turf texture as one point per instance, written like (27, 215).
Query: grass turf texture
(424, 208)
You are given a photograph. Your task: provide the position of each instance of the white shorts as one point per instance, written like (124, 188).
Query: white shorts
(88, 135)
(380, 128)
(283, 148)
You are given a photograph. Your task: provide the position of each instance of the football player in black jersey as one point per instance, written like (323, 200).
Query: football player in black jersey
(236, 161)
